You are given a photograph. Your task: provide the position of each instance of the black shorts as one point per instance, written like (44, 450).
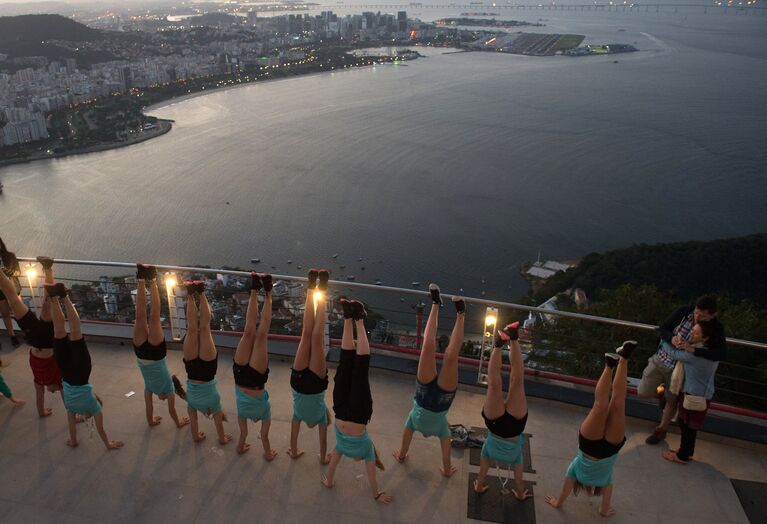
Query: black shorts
(201, 370)
(599, 449)
(432, 397)
(505, 426)
(248, 377)
(73, 359)
(38, 333)
(352, 400)
(147, 351)
(307, 382)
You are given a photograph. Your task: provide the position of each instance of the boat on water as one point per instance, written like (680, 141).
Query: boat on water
(350, 278)
(378, 282)
(415, 284)
(255, 260)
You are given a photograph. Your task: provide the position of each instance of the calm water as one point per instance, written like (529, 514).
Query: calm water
(454, 168)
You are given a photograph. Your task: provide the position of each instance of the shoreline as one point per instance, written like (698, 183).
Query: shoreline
(164, 126)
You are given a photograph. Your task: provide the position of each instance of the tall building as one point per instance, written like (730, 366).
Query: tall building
(401, 21)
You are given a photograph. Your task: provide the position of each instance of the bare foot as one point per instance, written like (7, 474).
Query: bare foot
(326, 461)
(47, 412)
(480, 488)
(243, 448)
(271, 455)
(17, 402)
(294, 454)
(155, 421)
(609, 513)
(115, 444)
(398, 457)
(72, 443)
(182, 422)
(199, 437)
(448, 473)
(225, 439)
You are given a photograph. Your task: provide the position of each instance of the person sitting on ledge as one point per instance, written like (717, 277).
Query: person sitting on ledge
(601, 435)
(434, 393)
(505, 418)
(74, 360)
(309, 374)
(149, 346)
(353, 403)
(201, 363)
(251, 367)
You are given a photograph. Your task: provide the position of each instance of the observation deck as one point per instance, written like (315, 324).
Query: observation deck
(162, 476)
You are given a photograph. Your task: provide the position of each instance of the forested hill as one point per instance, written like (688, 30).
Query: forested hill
(735, 267)
(28, 29)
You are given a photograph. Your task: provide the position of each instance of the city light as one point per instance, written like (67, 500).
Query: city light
(490, 320)
(31, 273)
(318, 295)
(170, 281)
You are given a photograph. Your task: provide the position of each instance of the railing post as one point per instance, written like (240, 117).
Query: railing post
(488, 332)
(419, 324)
(170, 290)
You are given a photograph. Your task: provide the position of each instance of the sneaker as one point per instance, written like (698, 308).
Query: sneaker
(434, 292)
(611, 360)
(11, 263)
(200, 284)
(312, 278)
(498, 340)
(15, 341)
(255, 281)
(346, 306)
(460, 305)
(323, 278)
(358, 310)
(46, 262)
(61, 289)
(266, 280)
(191, 287)
(145, 272)
(512, 331)
(180, 391)
(656, 437)
(626, 349)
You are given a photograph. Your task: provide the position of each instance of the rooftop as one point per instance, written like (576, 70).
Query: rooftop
(162, 476)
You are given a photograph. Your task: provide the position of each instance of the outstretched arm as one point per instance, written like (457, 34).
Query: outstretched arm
(567, 488)
(519, 479)
(380, 496)
(447, 469)
(323, 443)
(327, 478)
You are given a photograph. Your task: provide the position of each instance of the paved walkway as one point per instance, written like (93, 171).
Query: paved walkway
(162, 476)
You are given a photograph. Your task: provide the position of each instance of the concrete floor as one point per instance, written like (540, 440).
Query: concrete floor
(162, 476)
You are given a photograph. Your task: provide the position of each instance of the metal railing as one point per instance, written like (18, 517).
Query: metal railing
(551, 353)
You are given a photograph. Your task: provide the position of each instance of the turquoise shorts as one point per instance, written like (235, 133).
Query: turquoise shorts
(500, 450)
(428, 423)
(310, 409)
(203, 397)
(253, 408)
(592, 472)
(156, 377)
(360, 447)
(81, 400)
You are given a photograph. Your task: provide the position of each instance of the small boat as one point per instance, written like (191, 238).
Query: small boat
(359, 259)
(415, 284)
(299, 267)
(342, 267)
(290, 261)
(350, 277)
(335, 256)
(378, 282)
(255, 260)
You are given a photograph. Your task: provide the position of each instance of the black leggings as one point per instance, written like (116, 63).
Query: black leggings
(687, 444)
(73, 359)
(352, 401)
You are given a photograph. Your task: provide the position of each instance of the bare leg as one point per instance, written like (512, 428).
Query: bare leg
(304, 351)
(75, 333)
(192, 339)
(197, 435)
(59, 323)
(45, 313)
(427, 362)
(448, 375)
(8, 288)
(150, 418)
(404, 448)
(494, 406)
(269, 453)
(317, 362)
(615, 429)
(140, 326)
(42, 411)
(516, 402)
(668, 413)
(110, 444)
(180, 423)
(72, 442)
(259, 359)
(207, 346)
(363, 346)
(245, 346)
(593, 427)
(347, 337)
(156, 334)
(480, 486)
(295, 428)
